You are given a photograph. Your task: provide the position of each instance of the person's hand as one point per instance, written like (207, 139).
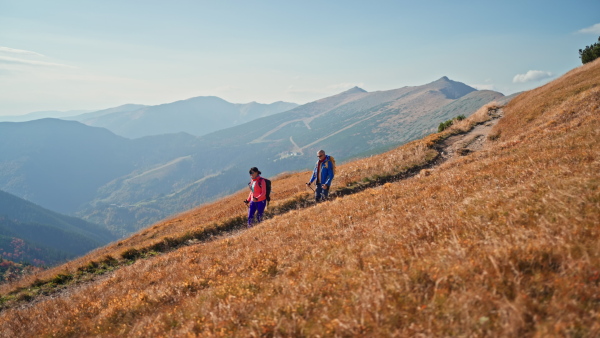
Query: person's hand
(307, 183)
(246, 201)
(255, 199)
(324, 186)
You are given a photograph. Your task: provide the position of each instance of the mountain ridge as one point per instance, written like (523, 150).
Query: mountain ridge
(196, 116)
(355, 89)
(42, 114)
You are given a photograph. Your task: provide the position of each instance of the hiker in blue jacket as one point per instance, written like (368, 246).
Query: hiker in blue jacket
(323, 174)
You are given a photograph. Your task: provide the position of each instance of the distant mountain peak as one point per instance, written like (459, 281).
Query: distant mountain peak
(354, 90)
(451, 89)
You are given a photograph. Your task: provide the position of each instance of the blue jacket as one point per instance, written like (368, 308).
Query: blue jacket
(326, 172)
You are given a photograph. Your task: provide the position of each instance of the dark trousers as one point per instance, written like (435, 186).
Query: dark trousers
(256, 207)
(320, 193)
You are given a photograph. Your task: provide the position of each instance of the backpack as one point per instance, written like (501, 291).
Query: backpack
(333, 163)
(268, 184)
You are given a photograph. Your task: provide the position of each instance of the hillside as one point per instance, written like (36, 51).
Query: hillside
(60, 164)
(503, 241)
(43, 236)
(350, 124)
(94, 115)
(127, 184)
(330, 121)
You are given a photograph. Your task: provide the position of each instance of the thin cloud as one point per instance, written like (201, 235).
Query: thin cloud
(18, 51)
(15, 61)
(595, 29)
(532, 75)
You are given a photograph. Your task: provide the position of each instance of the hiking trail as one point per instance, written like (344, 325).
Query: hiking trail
(472, 141)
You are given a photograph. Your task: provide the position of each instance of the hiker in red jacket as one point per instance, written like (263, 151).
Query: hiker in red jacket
(257, 199)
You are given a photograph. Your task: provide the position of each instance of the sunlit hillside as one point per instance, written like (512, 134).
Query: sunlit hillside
(503, 241)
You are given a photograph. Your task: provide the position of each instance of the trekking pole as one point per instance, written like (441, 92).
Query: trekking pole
(308, 185)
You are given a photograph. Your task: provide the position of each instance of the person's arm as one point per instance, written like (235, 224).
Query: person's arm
(314, 175)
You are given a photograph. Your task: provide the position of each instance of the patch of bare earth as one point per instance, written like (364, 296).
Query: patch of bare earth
(472, 141)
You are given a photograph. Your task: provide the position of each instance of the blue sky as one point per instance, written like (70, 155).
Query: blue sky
(67, 55)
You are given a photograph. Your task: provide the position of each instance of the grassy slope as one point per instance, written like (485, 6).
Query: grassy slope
(503, 242)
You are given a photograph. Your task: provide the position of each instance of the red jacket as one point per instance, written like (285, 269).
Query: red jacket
(258, 189)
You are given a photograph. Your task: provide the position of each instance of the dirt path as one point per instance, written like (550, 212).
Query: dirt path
(472, 141)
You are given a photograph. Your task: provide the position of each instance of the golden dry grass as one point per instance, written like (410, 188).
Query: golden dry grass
(503, 242)
(286, 187)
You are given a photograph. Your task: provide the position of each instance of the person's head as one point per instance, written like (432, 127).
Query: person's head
(254, 172)
(321, 154)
